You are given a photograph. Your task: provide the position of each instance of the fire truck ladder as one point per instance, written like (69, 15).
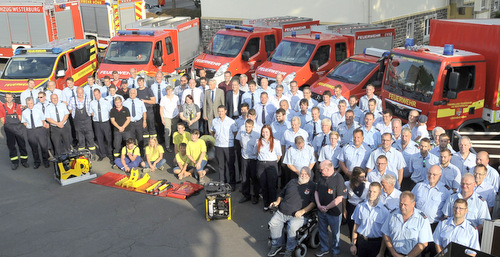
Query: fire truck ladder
(53, 24)
(277, 21)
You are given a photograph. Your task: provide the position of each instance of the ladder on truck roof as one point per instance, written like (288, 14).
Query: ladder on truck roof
(346, 29)
(277, 21)
(25, 2)
(159, 22)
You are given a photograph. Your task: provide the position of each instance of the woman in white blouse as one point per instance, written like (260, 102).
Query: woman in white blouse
(169, 113)
(268, 155)
(357, 190)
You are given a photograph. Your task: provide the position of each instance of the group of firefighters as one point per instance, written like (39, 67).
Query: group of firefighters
(397, 189)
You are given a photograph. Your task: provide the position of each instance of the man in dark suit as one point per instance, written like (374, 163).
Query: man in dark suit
(233, 100)
(214, 97)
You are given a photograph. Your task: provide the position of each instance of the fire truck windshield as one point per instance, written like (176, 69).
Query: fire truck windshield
(29, 67)
(352, 71)
(293, 53)
(128, 52)
(411, 77)
(225, 45)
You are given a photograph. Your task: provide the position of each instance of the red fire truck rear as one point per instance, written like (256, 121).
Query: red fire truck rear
(455, 81)
(102, 19)
(28, 23)
(151, 45)
(305, 58)
(241, 49)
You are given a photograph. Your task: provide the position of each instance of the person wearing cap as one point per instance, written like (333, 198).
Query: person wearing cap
(421, 129)
(295, 200)
(123, 90)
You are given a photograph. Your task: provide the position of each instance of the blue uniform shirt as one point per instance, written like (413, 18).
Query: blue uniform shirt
(376, 176)
(395, 160)
(68, 93)
(38, 118)
(289, 137)
(224, 131)
(309, 127)
(487, 192)
(416, 166)
(248, 144)
(431, 200)
(76, 104)
(299, 158)
(319, 141)
(89, 90)
(451, 176)
(478, 208)
(140, 108)
(355, 157)
(247, 98)
(464, 234)
(410, 149)
(372, 137)
(304, 118)
(50, 112)
(464, 165)
(279, 129)
(406, 235)
(370, 219)
(391, 200)
(327, 111)
(105, 109)
(346, 133)
(27, 93)
(331, 154)
(154, 87)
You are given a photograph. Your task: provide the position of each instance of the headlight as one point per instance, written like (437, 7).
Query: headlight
(43, 86)
(289, 78)
(223, 68)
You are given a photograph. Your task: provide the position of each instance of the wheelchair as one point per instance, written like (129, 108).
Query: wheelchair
(307, 235)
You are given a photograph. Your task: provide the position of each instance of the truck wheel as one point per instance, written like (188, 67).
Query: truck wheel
(147, 6)
(301, 250)
(314, 238)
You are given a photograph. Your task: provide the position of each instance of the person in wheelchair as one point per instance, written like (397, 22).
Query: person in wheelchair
(295, 200)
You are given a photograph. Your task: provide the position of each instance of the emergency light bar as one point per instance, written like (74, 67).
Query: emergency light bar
(249, 29)
(55, 50)
(136, 32)
(376, 52)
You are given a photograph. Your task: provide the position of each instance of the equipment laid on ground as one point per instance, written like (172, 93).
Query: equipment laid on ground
(218, 201)
(73, 167)
(133, 181)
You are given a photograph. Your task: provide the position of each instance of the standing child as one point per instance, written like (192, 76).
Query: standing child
(422, 128)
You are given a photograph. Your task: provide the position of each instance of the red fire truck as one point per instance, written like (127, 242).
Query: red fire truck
(241, 49)
(151, 45)
(306, 58)
(454, 81)
(28, 23)
(102, 19)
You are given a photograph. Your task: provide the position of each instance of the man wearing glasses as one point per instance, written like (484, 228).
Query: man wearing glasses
(478, 210)
(456, 229)
(483, 188)
(396, 161)
(421, 162)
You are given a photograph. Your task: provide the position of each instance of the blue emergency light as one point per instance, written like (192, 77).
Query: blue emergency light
(409, 42)
(136, 32)
(249, 29)
(448, 49)
(55, 50)
(294, 33)
(376, 52)
(316, 36)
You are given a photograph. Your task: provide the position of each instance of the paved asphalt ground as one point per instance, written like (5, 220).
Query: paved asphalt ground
(38, 217)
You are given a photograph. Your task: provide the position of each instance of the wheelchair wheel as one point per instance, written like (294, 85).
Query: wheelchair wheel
(314, 238)
(301, 250)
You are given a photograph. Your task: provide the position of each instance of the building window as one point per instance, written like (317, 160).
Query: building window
(496, 5)
(410, 28)
(483, 4)
(427, 26)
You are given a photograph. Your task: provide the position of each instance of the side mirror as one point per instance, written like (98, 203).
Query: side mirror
(100, 56)
(60, 74)
(453, 83)
(245, 56)
(314, 65)
(157, 61)
(451, 95)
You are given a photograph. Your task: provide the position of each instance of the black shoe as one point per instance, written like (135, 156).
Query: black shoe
(25, 164)
(36, 166)
(233, 188)
(100, 158)
(169, 149)
(46, 164)
(244, 199)
(14, 166)
(255, 200)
